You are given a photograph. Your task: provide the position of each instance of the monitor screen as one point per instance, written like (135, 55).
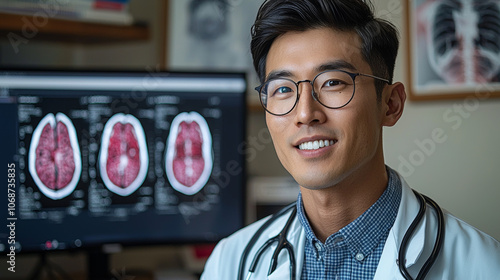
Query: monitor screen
(93, 158)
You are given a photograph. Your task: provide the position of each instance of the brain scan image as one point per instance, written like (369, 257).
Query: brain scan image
(462, 38)
(54, 156)
(189, 157)
(123, 158)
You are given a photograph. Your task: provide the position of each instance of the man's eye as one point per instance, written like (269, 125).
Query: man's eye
(283, 90)
(332, 83)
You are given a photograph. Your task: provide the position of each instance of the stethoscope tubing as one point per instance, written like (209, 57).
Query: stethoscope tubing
(408, 234)
(283, 243)
(258, 233)
(423, 200)
(281, 237)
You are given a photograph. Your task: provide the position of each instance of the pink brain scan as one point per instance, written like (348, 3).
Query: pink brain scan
(189, 153)
(54, 156)
(123, 158)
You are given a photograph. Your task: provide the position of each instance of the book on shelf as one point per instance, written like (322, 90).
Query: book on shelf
(96, 11)
(115, 5)
(103, 16)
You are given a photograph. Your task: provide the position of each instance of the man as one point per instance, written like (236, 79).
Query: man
(326, 69)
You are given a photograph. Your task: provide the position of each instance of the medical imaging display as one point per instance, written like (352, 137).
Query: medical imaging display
(54, 156)
(123, 160)
(123, 157)
(189, 153)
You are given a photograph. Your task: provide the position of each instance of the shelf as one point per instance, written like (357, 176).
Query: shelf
(61, 30)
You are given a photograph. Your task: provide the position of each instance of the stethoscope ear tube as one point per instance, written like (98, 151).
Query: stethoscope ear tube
(423, 200)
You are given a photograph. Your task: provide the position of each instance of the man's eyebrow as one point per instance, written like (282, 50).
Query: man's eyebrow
(335, 65)
(279, 74)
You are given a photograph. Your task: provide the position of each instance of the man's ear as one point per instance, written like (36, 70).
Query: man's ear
(393, 102)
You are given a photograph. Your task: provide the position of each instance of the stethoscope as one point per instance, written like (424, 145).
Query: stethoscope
(283, 243)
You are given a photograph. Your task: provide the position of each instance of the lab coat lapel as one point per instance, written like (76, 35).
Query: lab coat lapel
(282, 270)
(408, 209)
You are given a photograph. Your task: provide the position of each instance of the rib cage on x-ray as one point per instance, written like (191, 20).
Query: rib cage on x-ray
(464, 40)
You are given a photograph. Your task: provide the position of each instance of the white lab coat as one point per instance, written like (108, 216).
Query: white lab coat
(466, 253)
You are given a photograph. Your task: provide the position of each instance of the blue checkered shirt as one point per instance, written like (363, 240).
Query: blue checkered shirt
(354, 251)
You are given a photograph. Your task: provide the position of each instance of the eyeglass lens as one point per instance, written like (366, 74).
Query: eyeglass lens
(333, 89)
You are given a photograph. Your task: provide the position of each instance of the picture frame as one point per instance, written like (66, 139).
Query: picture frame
(453, 51)
(212, 35)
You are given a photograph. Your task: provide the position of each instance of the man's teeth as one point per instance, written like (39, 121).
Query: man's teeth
(314, 145)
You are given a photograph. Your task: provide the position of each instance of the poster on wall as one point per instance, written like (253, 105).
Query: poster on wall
(454, 49)
(208, 35)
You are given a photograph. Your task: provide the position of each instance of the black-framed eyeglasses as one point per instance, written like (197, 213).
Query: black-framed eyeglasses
(332, 88)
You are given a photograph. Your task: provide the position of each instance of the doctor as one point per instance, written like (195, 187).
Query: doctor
(326, 68)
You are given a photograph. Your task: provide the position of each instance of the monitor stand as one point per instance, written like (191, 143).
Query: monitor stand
(52, 271)
(98, 265)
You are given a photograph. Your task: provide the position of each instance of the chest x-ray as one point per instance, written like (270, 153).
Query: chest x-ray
(458, 41)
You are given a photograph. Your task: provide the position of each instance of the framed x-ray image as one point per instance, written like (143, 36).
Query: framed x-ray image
(212, 35)
(453, 48)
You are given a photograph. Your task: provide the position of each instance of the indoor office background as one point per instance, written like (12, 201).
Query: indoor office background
(446, 149)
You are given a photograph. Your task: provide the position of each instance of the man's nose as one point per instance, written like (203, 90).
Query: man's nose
(308, 110)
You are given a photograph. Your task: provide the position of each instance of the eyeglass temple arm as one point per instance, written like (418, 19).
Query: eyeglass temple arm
(375, 77)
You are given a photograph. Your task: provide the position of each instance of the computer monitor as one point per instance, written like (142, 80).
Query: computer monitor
(127, 158)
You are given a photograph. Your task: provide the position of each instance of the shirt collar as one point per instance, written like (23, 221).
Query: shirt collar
(363, 234)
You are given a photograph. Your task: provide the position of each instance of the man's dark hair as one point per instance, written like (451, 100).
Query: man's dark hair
(379, 38)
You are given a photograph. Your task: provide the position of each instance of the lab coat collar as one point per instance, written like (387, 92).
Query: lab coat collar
(387, 267)
(407, 212)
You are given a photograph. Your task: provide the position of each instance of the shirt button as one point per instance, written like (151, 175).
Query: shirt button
(318, 246)
(338, 239)
(360, 256)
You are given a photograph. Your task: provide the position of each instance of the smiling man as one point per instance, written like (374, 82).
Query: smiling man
(326, 69)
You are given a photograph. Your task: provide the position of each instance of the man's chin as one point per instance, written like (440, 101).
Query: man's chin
(318, 180)
(315, 184)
